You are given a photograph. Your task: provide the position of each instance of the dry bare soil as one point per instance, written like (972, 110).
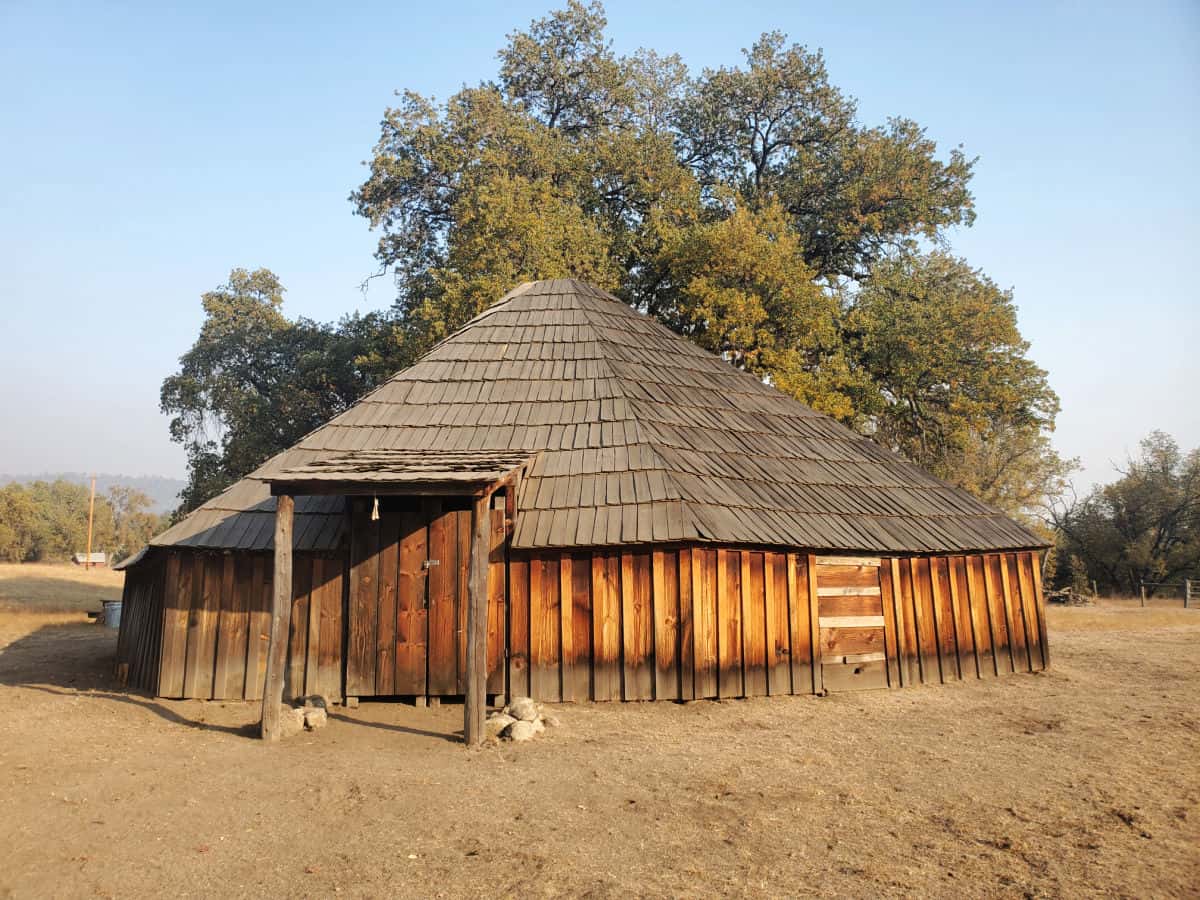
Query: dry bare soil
(1081, 781)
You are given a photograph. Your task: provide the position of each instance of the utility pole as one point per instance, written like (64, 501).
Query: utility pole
(87, 562)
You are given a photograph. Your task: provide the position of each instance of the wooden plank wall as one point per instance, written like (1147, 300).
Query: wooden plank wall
(139, 638)
(681, 624)
(651, 623)
(641, 623)
(214, 626)
(961, 617)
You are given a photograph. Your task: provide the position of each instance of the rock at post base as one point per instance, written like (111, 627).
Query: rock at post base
(495, 725)
(519, 731)
(291, 721)
(523, 708)
(315, 717)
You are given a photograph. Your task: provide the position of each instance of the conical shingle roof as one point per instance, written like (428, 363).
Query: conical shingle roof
(643, 437)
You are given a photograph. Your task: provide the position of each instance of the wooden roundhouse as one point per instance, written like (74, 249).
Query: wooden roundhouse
(646, 523)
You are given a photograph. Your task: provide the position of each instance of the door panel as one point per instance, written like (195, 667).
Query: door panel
(851, 619)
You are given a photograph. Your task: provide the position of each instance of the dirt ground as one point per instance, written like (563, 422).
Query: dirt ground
(1082, 781)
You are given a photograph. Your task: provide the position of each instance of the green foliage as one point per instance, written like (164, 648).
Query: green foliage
(746, 207)
(951, 386)
(1145, 526)
(255, 382)
(48, 520)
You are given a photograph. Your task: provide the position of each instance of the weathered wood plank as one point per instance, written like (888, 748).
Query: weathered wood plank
(729, 623)
(923, 616)
(943, 611)
(1015, 617)
(364, 575)
(1039, 605)
(202, 631)
(293, 684)
(890, 634)
(518, 624)
(754, 624)
(968, 664)
(849, 577)
(329, 652)
(704, 622)
(851, 621)
(866, 676)
(847, 560)
(852, 605)
(637, 626)
(443, 612)
(664, 583)
(846, 591)
(814, 617)
(906, 630)
(606, 626)
(775, 602)
(1029, 612)
(994, 587)
(177, 602)
(412, 614)
(258, 642)
(229, 682)
(984, 642)
(687, 636)
(385, 630)
(841, 641)
(567, 656)
(581, 625)
(545, 628)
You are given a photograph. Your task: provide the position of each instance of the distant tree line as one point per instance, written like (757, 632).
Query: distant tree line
(48, 520)
(1143, 527)
(746, 207)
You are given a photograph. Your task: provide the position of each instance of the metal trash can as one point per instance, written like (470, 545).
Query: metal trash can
(112, 613)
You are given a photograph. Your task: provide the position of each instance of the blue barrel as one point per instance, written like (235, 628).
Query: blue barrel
(112, 613)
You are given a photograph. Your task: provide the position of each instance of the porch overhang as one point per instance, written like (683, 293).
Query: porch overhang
(471, 473)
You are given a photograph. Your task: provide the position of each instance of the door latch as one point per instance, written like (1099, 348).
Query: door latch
(430, 563)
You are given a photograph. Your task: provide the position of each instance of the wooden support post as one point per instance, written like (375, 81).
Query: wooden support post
(474, 707)
(281, 614)
(1143, 586)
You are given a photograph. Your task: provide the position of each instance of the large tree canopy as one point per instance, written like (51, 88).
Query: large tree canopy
(1145, 526)
(746, 207)
(255, 382)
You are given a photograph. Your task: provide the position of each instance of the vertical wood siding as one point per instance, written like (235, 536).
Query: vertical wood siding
(199, 626)
(644, 623)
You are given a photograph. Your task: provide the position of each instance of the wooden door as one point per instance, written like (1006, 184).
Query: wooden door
(407, 588)
(852, 647)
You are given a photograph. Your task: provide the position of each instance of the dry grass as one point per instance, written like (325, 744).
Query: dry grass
(1081, 781)
(56, 587)
(1123, 614)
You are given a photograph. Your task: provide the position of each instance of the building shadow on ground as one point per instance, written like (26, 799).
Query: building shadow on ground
(76, 659)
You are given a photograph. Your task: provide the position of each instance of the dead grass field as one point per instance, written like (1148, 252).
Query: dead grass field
(1083, 781)
(56, 587)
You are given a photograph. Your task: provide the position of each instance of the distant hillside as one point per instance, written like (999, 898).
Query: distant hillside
(163, 491)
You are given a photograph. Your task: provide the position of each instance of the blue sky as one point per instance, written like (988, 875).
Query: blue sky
(146, 149)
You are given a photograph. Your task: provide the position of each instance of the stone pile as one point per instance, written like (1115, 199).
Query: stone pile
(306, 714)
(521, 720)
